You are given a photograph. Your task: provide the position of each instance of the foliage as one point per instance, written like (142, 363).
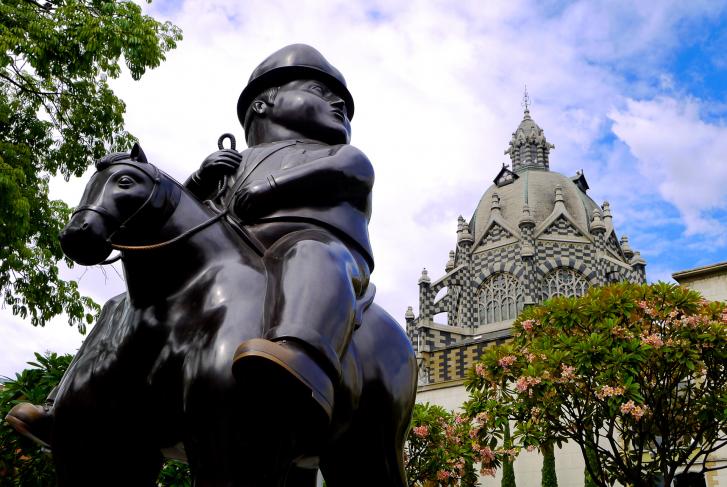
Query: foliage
(443, 449)
(175, 474)
(22, 462)
(634, 372)
(58, 114)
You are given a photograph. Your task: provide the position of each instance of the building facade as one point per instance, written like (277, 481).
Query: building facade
(710, 280)
(535, 234)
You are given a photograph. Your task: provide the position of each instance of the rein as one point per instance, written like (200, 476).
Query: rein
(179, 237)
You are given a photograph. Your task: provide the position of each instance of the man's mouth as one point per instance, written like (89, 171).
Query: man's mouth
(338, 114)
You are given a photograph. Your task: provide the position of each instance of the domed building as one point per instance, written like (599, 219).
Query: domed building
(535, 234)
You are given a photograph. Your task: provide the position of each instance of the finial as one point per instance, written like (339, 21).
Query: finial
(559, 194)
(495, 205)
(526, 100)
(626, 248)
(597, 223)
(424, 277)
(461, 223)
(606, 209)
(526, 219)
(637, 259)
(409, 315)
(450, 262)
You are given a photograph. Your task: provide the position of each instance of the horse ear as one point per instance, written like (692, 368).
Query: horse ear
(137, 154)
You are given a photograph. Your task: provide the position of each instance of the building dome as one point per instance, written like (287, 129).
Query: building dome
(535, 188)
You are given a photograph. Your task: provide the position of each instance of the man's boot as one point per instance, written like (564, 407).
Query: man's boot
(284, 372)
(32, 421)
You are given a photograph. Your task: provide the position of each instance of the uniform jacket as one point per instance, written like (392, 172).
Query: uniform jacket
(328, 185)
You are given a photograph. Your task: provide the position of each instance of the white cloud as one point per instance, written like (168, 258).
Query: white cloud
(437, 88)
(680, 155)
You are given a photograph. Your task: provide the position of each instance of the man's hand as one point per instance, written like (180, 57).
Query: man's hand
(253, 199)
(204, 183)
(219, 164)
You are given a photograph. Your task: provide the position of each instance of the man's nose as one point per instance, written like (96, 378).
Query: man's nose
(338, 102)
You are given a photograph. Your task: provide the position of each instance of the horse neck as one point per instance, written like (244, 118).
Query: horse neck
(154, 274)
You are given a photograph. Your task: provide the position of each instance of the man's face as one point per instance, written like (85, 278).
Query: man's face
(309, 108)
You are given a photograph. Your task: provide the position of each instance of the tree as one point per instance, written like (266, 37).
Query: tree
(444, 447)
(634, 374)
(58, 114)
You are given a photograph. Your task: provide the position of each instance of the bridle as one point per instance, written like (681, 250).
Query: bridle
(156, 179)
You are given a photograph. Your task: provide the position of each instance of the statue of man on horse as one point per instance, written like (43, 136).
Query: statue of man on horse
(302, 195)
(247, 342)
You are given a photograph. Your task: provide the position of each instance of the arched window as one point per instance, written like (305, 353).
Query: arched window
(564, 281)
(500, 298)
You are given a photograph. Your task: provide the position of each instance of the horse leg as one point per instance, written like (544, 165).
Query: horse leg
(369, 453)
(89, 453)
(301, 477)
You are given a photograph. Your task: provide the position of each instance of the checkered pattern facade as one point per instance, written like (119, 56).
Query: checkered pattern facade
(446, 352)
(561, 226)
(452, 362)
(495, 234)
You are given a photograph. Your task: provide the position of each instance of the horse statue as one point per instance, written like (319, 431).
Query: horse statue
(155, 371)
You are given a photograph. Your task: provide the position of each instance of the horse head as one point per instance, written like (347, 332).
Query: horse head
(125, 198)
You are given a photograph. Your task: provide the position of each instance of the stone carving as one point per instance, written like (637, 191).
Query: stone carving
(248, 336)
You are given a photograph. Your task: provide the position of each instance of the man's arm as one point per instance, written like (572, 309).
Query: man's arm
(346, 175)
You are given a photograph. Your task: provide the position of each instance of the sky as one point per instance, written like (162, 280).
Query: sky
(631, 92)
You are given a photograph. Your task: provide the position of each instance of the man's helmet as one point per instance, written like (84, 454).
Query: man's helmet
(293, 62)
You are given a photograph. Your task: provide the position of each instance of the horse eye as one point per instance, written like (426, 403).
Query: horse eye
(125, 182)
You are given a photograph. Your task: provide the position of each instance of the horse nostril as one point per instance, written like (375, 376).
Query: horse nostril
(84, 226)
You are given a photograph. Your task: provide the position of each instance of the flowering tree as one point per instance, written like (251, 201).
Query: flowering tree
(634, 374)
(443, 449)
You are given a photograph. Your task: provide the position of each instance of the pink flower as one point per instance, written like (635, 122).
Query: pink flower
(485, 452)
(567, 372)
(506, 361)
(524, 383)
(421, 431)
(488, 471)
(528, 325)
(458, 419)
(638, 411)
(480, 370)
(443, 475)
(627, 407)
(654, 340)
(482, 417)
(608, 391)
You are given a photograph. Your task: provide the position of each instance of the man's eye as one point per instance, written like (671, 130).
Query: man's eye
(125, 182)
(317, 89)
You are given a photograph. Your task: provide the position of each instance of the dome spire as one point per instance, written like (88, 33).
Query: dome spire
(526, 100)
(528, 148)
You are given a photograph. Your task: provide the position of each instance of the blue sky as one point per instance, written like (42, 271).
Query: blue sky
(632, 92)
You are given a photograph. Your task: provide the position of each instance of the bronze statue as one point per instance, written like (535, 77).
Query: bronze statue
(248, 333)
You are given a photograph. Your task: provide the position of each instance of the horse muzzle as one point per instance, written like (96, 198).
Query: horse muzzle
(84, 238)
